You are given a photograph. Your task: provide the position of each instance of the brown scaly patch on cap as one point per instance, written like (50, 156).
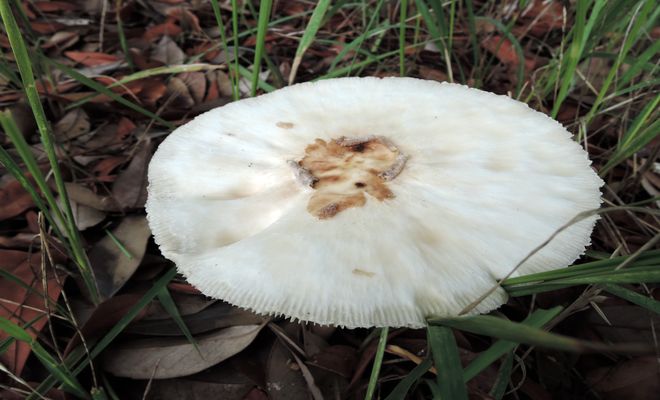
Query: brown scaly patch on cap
(345, 169)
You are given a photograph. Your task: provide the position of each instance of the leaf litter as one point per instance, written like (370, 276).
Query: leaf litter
(105, 147)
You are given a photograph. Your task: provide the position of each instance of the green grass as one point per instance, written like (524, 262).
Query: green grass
(390, 38)
(66, 218)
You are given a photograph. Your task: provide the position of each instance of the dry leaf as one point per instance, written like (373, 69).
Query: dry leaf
(215, 316)
(198, 389)
(97, 321)
(178, 90)
(196, 82)
(636, 379)
(112, 267)
(168, 52)
(91, 58)
(73, 124)
(283, 378)
(130, 188)
(171, 358)
(14, 200)
(86, 197)
(339, 359)
(22, 305)
(83, 216)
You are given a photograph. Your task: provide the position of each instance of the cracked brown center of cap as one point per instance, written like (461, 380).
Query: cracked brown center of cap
(342, 170)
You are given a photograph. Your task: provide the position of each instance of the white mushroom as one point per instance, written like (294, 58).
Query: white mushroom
(365, 202)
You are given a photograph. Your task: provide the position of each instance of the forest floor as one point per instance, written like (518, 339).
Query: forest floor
(90, 308)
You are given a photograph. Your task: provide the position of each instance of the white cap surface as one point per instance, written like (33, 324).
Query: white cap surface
(486, 181)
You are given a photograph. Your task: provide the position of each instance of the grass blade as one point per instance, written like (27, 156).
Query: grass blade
(13, 168)
(637, 136)
(503, 377)
(233, 74)
(122, 37)
(308, 36)
(168, 304)
(262, 28)
(633, 297)
(501, 347)
(378, 361)
(92, 84)
(60, 372)
(472, 29)
(610, 264)
(580, 35)
(78, 355)
(520, 333)
(520, 72)
(25, 68)
(447, 362)
(403, 8)
(630, 39)
(400, 391)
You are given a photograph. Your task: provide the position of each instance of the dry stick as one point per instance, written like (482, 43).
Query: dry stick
(577, 218)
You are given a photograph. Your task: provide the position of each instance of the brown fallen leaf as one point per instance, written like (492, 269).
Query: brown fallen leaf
(112, 267)
(180, 94)
(54, 6)
(339, 359)
(186, 304)
(61, 40)
(84, 196)
(185, 17)
(97, 321)
(130, 188)
(503, 49)
(169, 28)
(223, 381)
(196, 82)
(84, 217)
(73, 124)
(215, 316)
(283, 378)
(168, 52)
(20, 305)
(635, 379)
(14, 200)
(171, 358)
(91, 58)
(541, 17)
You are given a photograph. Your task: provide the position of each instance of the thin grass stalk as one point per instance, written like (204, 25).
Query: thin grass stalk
(234, 28)
(223, 36)
(402, 37)
(78, 355)
(631, 38)
(378, 362)
(24, 66)
(11, 130)
(579, 37)
(308, 36)
(472, 29)
(122, 36)
(262, 28)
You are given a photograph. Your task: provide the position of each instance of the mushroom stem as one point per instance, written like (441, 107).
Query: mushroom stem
(395, 169)
(302, 175)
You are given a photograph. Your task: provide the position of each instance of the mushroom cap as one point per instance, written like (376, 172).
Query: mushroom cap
(487, 181)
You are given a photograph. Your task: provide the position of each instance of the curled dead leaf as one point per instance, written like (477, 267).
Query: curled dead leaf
(112, 266)
(170, 358)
